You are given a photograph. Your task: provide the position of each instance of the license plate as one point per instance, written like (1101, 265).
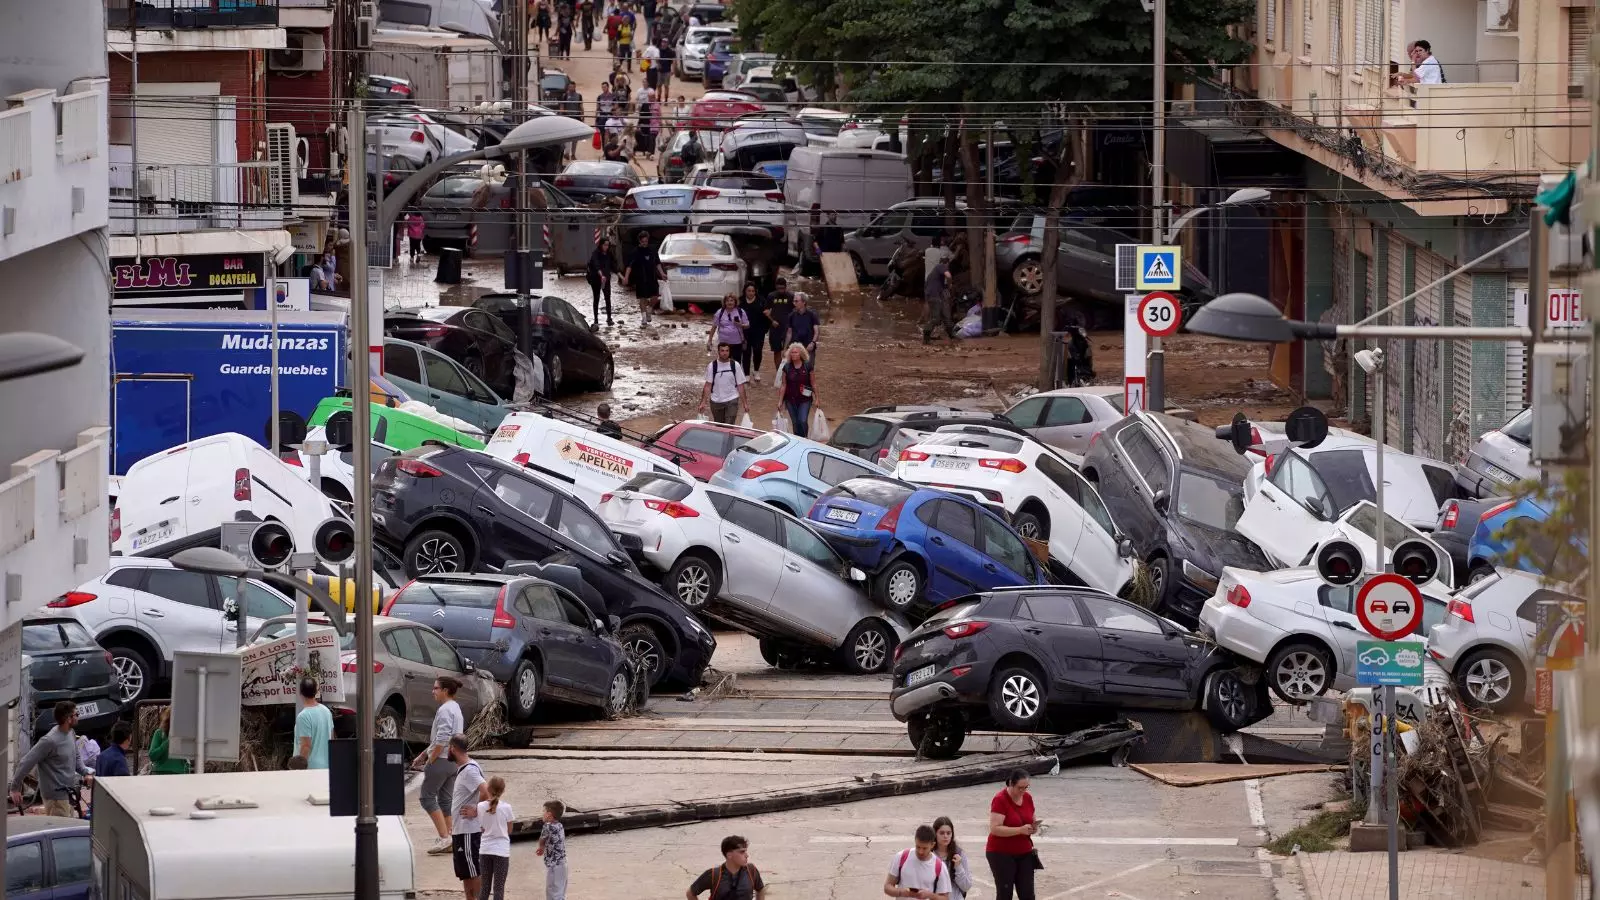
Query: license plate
(848, 516)
(446, 217)
(941, 462)
(155, 536)
(1499, 474)
(921, 675)
(667, 201)
(695, 273)
(741, 201)
(86, 710)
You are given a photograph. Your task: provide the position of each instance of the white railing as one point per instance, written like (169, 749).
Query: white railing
(16, 145)
(185, 197)
(83, 480)
(53, 519)
(78, 134)
(17, 505)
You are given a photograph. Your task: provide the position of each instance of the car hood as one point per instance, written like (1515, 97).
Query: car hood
(1216, 548)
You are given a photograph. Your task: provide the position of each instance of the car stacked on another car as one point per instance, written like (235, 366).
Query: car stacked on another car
(584, 461)
(873, 433)
(1501, 457)
(786, 471)
(1488, 640)
(1068, 418)
(566, 345)
(698, 446)
(588, 180)
(66, 663)
(738, 198)
(656, 210)
(472, 337)
(430, 377)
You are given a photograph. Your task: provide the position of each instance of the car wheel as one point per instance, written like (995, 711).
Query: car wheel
(1490, 679)
(617, 697)
(435, 553)
(135, 675)
(608, 373)
(387, 726)
(1032, 525)
(860, 267)
(769, 652)
(1160, 570)
(1017, 699)
(900, 585)
(1479, 572)
(869, 649)
(693, 580)
(1028, 276)
(938, 734)
(522, 692)
(1298, 672)
(1228, 702)
(642, 644)
(552, 375)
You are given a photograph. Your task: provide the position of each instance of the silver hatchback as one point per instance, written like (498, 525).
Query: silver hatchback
(1500, 458)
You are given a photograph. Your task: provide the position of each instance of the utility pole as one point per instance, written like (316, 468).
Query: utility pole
(991, 288)
(1156, 387)
(517, 14)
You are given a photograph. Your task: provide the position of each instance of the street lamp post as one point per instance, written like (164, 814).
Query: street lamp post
(217, 562)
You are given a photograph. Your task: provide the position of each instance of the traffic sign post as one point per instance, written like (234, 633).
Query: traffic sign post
(1389, 607)
(1156, 268)
(1132, 394)
(1388, 664)
(1160, 314)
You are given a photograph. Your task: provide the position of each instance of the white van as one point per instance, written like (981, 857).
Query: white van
(587, 462)
(855, 182)
(192, 488)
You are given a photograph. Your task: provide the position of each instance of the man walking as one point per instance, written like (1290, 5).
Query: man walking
(644, 274)
(56, 757)
(779, 304)
(466, 833)
(313, 726)
(724, 390)
(918, 872)
(936, 291)
(804, 327)
(735, 879)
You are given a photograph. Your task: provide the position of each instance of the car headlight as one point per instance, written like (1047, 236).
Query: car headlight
(696, 627)
(1199, 577)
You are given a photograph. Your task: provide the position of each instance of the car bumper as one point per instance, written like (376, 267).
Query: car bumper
(692, 64)
(1237, 631)
(1446, 641)
(1185, 601)
(106, 712)
(921, 697)
(657, 545)
(865, 551)
(1478, 480)
(708, 289)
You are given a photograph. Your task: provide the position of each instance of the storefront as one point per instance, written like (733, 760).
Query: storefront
(194, 280)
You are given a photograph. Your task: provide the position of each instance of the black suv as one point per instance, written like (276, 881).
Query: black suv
(1025, 659)
(870, 433)
(1178, 492)
(449, 510)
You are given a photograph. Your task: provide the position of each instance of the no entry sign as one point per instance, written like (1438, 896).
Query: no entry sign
(1389, 607)
(1160, 314)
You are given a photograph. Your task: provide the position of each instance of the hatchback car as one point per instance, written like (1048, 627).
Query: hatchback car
(673, 165)
(587, 180)
(66, 663)
(441, 382)
(478, 341)
(533, 636)
(50, 858)
(786, 471)
(1026, 659)
(738, 198)
(871, 433)
(1488, 639)
(1069, 418)
(1084, 261)
(697, 446)
(1493, 542)
(701, 268)
(570, 351)
(721, 553)
(922, 546)
(692, 47)
(450, 510)
(1501, 457)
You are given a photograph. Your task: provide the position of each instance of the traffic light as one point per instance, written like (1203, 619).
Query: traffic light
(271, 545)
(334, 541)
(1415, 561)
(1339, 562)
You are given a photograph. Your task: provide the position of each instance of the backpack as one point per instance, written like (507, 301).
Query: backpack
(938, 867)
(716, 879)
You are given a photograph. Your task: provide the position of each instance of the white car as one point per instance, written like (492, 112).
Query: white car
(1302, 629)
(822, 125)
(1501, 457)
(587, 463)
(1069, 418)
(183, 493)
(1488, 640)
(142, 610)
(692, 48)
(759, 569)
(1042, 496)
(736, 198)
(701, 267)
(407, 139)
(337, 466)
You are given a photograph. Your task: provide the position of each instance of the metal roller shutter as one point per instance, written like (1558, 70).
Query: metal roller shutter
(1490, 305)
(1397, 269)
(1517, 309)
(177, 151)
(1460, 422)
(1427, 359)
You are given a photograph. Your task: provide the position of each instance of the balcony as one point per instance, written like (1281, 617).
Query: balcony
(168, 198)
(52, 166)
(168, 15)
(53, 521)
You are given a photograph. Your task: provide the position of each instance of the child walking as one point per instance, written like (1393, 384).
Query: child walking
(494, 853)
(553, 847)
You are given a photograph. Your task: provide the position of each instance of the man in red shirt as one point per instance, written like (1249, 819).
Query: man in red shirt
(1010, 852)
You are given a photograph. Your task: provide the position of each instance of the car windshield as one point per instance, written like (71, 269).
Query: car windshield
(876, 491)
(1364, 518)
(46, 637)
(957, 436)
(742, 182)
(859, 432)
(456, 187)
(658, 486)
(1520, 428)
(1209, 501)
(595, 167)
(764, 91)
(820, 126)
(470, 596)
(696, 245)
(274, 630)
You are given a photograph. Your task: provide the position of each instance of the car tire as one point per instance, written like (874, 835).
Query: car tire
(608, 374)
(869, 649)
(693, 581)
(1490, 679)
(642, 641)
(1228, 702)
(1031, 524)
(937, 734)
(435, 552)
(900, 585)
(1299, 671)
(860, 268)
(617, 696)
(389, 724)
(1160, 580)
(1027, 276)
(552, 375)
(137, 676)
(1017, 699)
(522, 691)
(1479, 572)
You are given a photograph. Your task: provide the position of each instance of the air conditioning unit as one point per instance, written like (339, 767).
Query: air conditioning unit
(306, 52)
(283, 185)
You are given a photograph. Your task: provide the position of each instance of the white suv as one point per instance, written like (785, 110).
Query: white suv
(143, 610)
(1044, 498)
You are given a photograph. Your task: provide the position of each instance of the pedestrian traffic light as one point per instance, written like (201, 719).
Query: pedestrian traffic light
(339, 431)
(1416, 561)
(271, 545)
(334, 541)
(1339, 562)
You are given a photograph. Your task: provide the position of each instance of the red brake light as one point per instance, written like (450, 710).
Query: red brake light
(726, 267)
(401, 89)
(502, 619)
(433, 331)
(1493, 511)
(620, 183)
(964, 629)
(630, 202)
(416, 468)
(1452, 514)
(764, 467)
(912, 456)
(891, 519)
(606, 496)
(417, 137)
(1007, 464)
(396, 596)
(71, 599)
(672, 508)
(563, 181)
(542, 320)
(674, 160)
(241, 484)
(116, 524)
(292, 459)
(350, 665)
(1255, 435)
(1016, 239)
(1094, 437)
(883, 452)
(1271, 458)
(1238, 596)
(706, 193)
(521, 459)
(1461, 609)
(775, 196)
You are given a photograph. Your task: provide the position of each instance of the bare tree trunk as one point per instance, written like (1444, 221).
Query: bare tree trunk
(1070, 166)
(977, 207)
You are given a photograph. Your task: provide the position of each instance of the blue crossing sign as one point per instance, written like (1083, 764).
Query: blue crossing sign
(1158, 268)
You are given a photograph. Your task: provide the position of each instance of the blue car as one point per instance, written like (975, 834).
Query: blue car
(1489, 546)
(722, 50)
(49, 857)
(922, 546)
(786, 471)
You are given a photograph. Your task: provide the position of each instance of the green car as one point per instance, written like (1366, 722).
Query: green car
(397, 428)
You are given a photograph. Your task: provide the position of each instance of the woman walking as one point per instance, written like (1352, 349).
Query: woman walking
(798, 394)
(728, 326)
(754, 307)
(602, 265)
(438, 772)
(1012, 859)
(946, 848)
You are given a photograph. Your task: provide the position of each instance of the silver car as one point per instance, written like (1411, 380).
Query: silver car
(1500, 458)
(406, 659)
(1069, 418)
(1488, 639)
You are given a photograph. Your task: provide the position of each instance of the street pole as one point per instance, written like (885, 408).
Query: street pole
(1155, 374)
(366, 881)
(272, 317)
(1378, 755)
(991, 287)
(519, 105)
(238, 612)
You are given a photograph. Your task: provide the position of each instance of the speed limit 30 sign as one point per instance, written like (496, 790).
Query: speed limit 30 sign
(1160, 314)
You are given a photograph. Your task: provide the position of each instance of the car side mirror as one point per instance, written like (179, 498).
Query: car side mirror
(617, 558)
(599, 626)
(1159, 501)
(1125, 548)
(857, 575)
(1319, 507)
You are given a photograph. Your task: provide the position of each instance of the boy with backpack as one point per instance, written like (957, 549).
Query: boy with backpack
(735, 879)
(919, 873)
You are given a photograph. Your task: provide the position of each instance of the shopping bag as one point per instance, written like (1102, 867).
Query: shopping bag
(666, 297)
(779, 423)
(819, 426)
(745, 422)
(597, 139)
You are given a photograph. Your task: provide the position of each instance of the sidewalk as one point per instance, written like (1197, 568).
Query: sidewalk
(1424, 875)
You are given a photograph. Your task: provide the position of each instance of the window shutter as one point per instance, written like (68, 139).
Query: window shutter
(1577, 49)
(1305, 26)
(1359, 48)
(1271, 31)
(1287, 19)
(1396, 44)
(1335, 27)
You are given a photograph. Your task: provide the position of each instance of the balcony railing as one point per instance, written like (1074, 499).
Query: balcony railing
(191, 197)
(52, 523)
(171, 14)
(52, 165)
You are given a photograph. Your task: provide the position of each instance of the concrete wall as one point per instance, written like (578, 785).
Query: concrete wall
(1451, 26)
(50, 44)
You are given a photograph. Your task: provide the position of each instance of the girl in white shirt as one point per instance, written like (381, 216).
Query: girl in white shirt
(494, 853)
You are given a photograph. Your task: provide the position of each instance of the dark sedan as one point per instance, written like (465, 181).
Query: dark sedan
(67, 664)
(1458, 520)
(1034, 658)
(563, 339)
(596, 179)
(478, 341)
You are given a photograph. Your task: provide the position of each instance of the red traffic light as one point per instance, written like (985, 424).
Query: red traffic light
(1339, 562)
(271, 545)
(334, 541)
(1415, 561)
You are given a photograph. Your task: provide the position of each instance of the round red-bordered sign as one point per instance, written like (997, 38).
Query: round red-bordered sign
(1389, 607)
(1160, 314)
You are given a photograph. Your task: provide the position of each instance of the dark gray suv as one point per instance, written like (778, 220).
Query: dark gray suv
(870, 434)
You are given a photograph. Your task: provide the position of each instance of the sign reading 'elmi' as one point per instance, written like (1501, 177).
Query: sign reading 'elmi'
(196, 273)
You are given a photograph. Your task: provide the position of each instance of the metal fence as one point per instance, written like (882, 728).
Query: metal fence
(192, 196)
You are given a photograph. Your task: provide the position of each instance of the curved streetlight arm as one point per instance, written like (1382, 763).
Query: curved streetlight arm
(1179, 223)
(396, 200)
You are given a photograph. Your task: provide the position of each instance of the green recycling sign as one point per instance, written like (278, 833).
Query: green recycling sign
(1382, 663)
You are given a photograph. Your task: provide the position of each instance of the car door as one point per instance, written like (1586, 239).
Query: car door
(1289, 513)
(26, 877)
(1054, 626)
(516, 517)
(827, 471)
(595, 656)
(1144, 663)
(953, 555)
(812, 595)
(879, 239)
(1067, 424)
(751, 549)
(402, 366)
(1008, 562)
(72, 867)
(444, 659)
(555, 637)
(1078, 261)
(1341, 629)
(404, 643)
(1096, 559)
(443, 387)
(574, 333)
(183, 608)
(1028, 415)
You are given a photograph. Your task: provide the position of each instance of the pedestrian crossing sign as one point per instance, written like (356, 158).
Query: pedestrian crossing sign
(1158, 268)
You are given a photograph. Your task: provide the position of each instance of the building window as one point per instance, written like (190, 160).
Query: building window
(1577, 50)
(1369, 31)
(1287, 43)
(1396, 42)
(1305, 27)
(1271, 31)
(1335, 32)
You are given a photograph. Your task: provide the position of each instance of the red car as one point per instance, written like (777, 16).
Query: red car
(720, 109)
(699, 446)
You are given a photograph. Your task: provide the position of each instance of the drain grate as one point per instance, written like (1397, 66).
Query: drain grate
(1235, 868)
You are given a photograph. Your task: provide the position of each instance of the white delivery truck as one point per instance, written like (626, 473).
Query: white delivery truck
(154, 839)
(854, 183)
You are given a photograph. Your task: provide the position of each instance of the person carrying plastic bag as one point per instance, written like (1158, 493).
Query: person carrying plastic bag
(796, 392)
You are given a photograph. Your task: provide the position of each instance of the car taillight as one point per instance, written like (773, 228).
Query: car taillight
(396, 596)
(505, 202)
(116, 524)
(1238, 596)
(521, 459)
(1452, 514)
(433, 331)
(71, 599)
(1092, 438)
(764, 467)
(1006, 464)
(542, 320)
(418, 137)
(292, 459)
(674, 160)
(1461, 609)
(891, 519)
(563, 181)
(912, 456)
(416, 468)
(775, 196)
(241, 484)
(1271, 458)
(502, 619)
(671, 508)
(964, 629)
(1255, 435)
(630, 202)
(706, 193)
(620, 183)
(1016, 239)
(726, 267)
(350, 665)
(898, 649)
(606, 497)
(1493, 511)
(883, 453)
(403, 90)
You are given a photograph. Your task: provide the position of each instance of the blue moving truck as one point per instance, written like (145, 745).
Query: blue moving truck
(178, 375)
